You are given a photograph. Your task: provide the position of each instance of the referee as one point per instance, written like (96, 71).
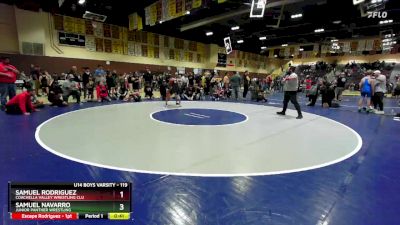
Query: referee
(290, 87)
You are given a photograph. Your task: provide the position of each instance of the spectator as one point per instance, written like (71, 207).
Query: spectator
(291, 83)
(246, 82)
(163, 90)
(55, 95)
(45, 80)
(102, 92)
(367, 90)
(8, 76)
(99, 74)
(90, 88)
(148, 91)
(308, 82)
(21, 103)
(190, 79)
(189, 93)
(340, 86)
(235, 82)
(226, 81)
(35, 74)
(148, 77)
(85, 80)
(313, 93)
(70, 88)
(380, 91)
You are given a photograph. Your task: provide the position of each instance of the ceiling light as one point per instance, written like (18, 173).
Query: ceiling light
(284, 45)
(187, 12)
(337, 22)
(240, 41)
(235, 28)
(389, 35)
(263, 38)
(334, 40)
(275, 56)
(81, 2)
(295, 16)
(161, 22)
(385, 21)
(301, 49)
(209, 33)
(319, 30)
(263, 47)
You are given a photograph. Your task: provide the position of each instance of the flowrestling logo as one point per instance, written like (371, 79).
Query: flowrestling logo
(380, 15)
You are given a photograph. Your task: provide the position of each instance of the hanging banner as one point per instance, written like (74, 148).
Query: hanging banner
(346, 47)
(171, 9)
(98, 29)
(271, 53)
(156, 40)
(188, 5)
(117, 47)
(150, 51)
(133, 21)
(153, 14)
(107, 45)
(361, 45)
(124, 31)
(150, 38)
(125, 47)
(316, 48)
(99, 44)
(58, 22)
(325, 49)
(90, 43)
(80, 27)
(377, 45)
(196, 3)
(186, 56)
(69, 24)
(156, 52)
(89, 27)
(115, 32)
(138, 50)
(354, 46)
(165, 10)
(131, 48)
(179, 8)
(296, 51)
(159, 10)
(369, 45)
(177, 55)
(107, 30)
(144, 50)
(147, 17)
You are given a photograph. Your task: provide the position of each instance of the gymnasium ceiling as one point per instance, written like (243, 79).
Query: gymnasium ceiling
(340, 19)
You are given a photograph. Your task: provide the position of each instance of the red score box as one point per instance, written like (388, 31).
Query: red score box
(44, 216)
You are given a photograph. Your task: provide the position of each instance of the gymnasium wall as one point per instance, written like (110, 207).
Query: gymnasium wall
(37, 27)
(8, 30)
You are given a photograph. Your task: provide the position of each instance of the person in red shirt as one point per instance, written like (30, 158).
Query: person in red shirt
(21, 103)
(102, 92)
(8, 76)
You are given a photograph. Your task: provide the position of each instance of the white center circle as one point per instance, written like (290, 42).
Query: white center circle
(124, 137)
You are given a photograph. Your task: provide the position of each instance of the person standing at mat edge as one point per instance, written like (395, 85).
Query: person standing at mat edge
(290, 87)
(8, 76)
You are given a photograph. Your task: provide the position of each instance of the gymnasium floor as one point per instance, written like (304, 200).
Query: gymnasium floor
(361, 189)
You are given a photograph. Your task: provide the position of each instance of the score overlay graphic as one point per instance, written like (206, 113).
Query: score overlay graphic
(70, 201)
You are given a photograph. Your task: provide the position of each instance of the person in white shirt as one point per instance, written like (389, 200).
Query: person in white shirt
(380, 90)
(290, 87)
